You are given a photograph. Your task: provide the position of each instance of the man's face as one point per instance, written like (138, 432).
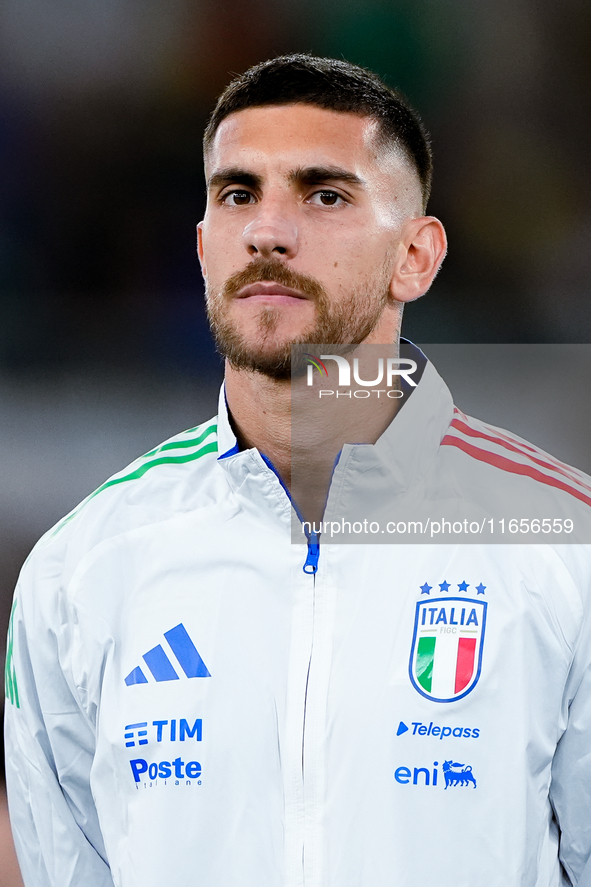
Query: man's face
(298, 242)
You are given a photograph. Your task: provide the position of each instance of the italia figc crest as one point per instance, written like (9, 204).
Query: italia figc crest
(446, 652)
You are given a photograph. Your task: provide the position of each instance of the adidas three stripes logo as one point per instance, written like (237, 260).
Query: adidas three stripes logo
(160, 665)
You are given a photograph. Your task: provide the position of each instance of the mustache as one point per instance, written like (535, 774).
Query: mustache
(274, 271)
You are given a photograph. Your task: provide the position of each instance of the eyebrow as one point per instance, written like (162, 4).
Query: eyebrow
(309, 175)
(316, 175)
(234, 175)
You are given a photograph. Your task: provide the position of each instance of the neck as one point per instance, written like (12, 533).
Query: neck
(260, 412)
(302, 433)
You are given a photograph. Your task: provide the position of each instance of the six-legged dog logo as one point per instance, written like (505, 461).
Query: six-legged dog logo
(457, 774)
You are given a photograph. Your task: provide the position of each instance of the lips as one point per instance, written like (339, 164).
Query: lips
(272, 282)
(269, 290)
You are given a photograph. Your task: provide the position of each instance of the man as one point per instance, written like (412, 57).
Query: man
(195, 700)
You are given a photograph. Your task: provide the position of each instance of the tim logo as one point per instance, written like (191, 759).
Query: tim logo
(458, 774)
(136, 731)
(446, 650)
(162, 731)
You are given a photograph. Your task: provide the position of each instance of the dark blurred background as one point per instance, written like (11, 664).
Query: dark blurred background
(104, 349)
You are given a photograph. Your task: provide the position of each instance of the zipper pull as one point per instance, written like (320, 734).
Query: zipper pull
(311, 565)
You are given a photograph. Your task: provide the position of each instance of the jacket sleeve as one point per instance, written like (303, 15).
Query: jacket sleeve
(50, 742)
(570, 789)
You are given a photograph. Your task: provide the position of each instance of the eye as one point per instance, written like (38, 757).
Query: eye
(326, 198)
(237, 198)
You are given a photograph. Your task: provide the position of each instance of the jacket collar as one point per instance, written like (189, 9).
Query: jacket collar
(395, 463)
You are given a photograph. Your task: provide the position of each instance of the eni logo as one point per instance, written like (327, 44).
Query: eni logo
(454, 775)
(457, 774)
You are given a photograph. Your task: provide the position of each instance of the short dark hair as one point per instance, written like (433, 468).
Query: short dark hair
(336, 86)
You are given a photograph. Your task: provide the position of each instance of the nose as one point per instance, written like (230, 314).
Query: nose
(271, 234)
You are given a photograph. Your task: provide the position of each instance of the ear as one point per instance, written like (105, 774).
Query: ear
(420, 252)
(200, 248)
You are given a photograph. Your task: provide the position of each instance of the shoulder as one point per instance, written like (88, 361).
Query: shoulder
(173, 477)
(513, 462)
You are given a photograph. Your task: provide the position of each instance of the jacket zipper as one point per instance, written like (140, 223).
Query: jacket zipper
(310, 568)
(311, 564)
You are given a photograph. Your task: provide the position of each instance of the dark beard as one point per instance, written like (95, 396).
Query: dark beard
(336, 324)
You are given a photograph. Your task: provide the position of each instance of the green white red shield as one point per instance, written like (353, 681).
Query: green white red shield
(446, 652)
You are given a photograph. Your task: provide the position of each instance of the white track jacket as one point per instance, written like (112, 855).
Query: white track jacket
(186, 706)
